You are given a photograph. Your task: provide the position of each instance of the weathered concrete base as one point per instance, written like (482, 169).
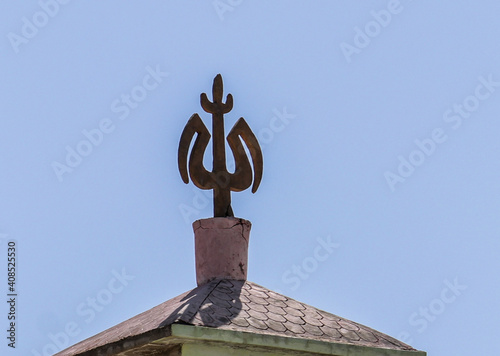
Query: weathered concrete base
(221, 248)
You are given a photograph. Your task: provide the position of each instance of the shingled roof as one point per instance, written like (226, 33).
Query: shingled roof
(237, 306)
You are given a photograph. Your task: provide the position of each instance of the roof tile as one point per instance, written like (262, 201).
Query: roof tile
(260, 308)
(276, 326)
(256, 323)
(349, 334)
(276, 317)
(277, 302)
(294, 328)
(349, 325)
(257, 315)
(330, 332)
(294, 312)
(294, 319)
(275, 310)
(313, 330)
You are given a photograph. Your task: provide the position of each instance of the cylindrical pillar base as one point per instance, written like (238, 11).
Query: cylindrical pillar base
(221, 248)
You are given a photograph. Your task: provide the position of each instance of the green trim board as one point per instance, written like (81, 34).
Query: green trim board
(199, 340)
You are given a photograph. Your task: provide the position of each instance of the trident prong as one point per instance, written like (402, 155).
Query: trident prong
(219, 179)
(217, 106)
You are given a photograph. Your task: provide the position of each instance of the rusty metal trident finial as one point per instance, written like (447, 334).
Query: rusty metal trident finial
(219, 179)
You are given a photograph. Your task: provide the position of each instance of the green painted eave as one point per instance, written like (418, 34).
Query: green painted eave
(189, 334)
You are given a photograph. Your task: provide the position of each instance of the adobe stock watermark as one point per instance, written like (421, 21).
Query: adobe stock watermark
(363, 35)
(223, 6)
(95, 137)
(203, 198)
(454, 117)
(33, 24)
(87, 311)
(428, 314)
(297, 273)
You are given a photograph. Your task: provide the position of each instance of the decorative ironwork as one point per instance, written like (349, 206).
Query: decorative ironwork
(219, 179)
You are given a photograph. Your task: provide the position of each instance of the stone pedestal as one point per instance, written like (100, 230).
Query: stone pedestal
(221, 248)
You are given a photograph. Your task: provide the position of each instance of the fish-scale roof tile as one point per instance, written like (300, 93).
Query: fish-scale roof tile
(247, 307)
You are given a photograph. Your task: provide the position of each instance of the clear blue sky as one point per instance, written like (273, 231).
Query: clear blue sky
(379, 122)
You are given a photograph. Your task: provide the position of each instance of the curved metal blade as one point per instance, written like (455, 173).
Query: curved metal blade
(242, 130)
(199, 175)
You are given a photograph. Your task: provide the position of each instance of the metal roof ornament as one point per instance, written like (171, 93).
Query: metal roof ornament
(220, 180)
